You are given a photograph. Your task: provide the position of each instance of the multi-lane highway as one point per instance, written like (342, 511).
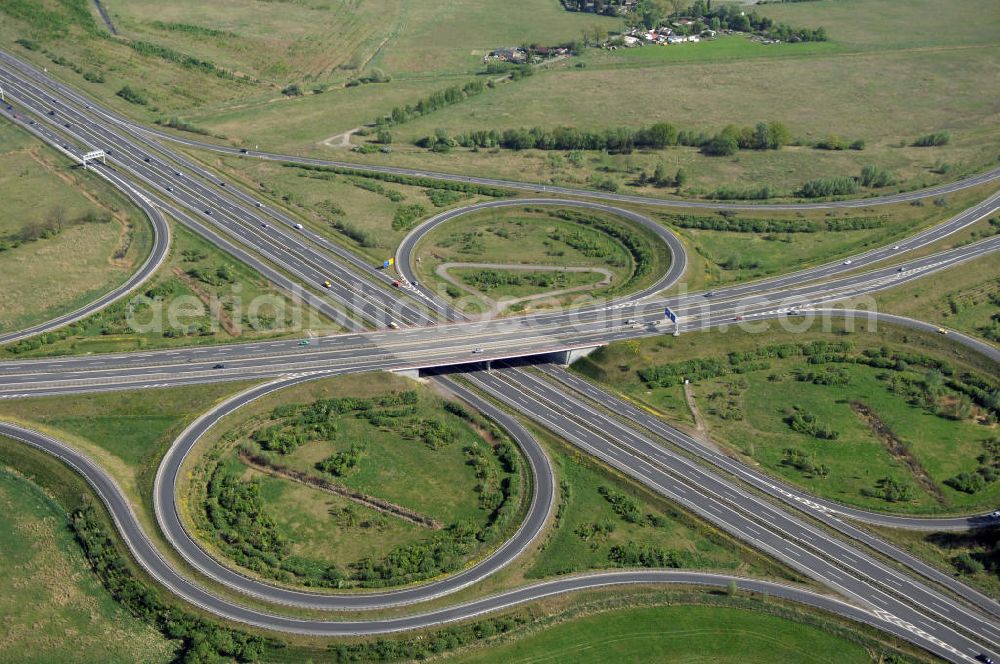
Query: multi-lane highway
(773, 517)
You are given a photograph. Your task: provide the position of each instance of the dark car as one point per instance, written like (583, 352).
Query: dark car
(219, 366)
(984, 658)
(243, 150)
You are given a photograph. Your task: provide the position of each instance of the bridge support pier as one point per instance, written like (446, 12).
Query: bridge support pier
(568, 357)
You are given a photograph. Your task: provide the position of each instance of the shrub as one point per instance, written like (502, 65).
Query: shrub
(132, 95)
(932, 140)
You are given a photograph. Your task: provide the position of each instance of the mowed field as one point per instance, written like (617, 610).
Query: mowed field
(55, 609)
(677, 634)
(45, 277)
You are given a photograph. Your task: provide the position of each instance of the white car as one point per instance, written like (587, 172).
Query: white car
(848, 261)
(298, 227)
(477, 351)
(895, 247)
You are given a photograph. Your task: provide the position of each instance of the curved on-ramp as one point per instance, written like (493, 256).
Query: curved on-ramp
(148, 558)
(678, 260)
(170, 521)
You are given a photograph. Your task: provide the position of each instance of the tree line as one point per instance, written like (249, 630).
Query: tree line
(621, 140)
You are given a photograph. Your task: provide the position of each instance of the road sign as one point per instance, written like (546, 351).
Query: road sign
(669, 315)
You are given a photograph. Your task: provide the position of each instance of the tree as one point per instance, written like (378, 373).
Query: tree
(384, 136)
(660, 175)
(680, 178)
(731, 588)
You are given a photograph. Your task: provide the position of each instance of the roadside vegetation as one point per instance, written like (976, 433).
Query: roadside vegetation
(200, 295)
(605, 521)
(374, 481)
(891, 420)
(524, 259)
(971, 556)
(66, 237)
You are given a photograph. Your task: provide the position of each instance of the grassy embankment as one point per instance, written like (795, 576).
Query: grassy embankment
(66, 237)
(55, 608)
(895, 432)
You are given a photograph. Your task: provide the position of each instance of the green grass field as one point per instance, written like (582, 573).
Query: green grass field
(532, 236)
(176, 306)
(676, 634)
(52, 275)
(55, 609)
(749, 411)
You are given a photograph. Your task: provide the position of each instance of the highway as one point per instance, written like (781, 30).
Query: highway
(884, 596)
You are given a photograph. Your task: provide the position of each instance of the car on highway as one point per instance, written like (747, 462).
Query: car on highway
(170, 188)
(52, 112)
(995, 514)
(477, 351)
(67, 125)
(397, 283)
(304, 342)
(222, 184)
(298, 227)
(941, 330)
(258, 204)
(146, 159)
(631, 321)
(327, 284)
(710, 294)
(243, 150)
(895, 247)
(984, 658)
(901, 269)
(177, 173)
(219, 366)
(738, 318)
(208, 212)
(263, 224)
(393, 325)
(848, 261)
